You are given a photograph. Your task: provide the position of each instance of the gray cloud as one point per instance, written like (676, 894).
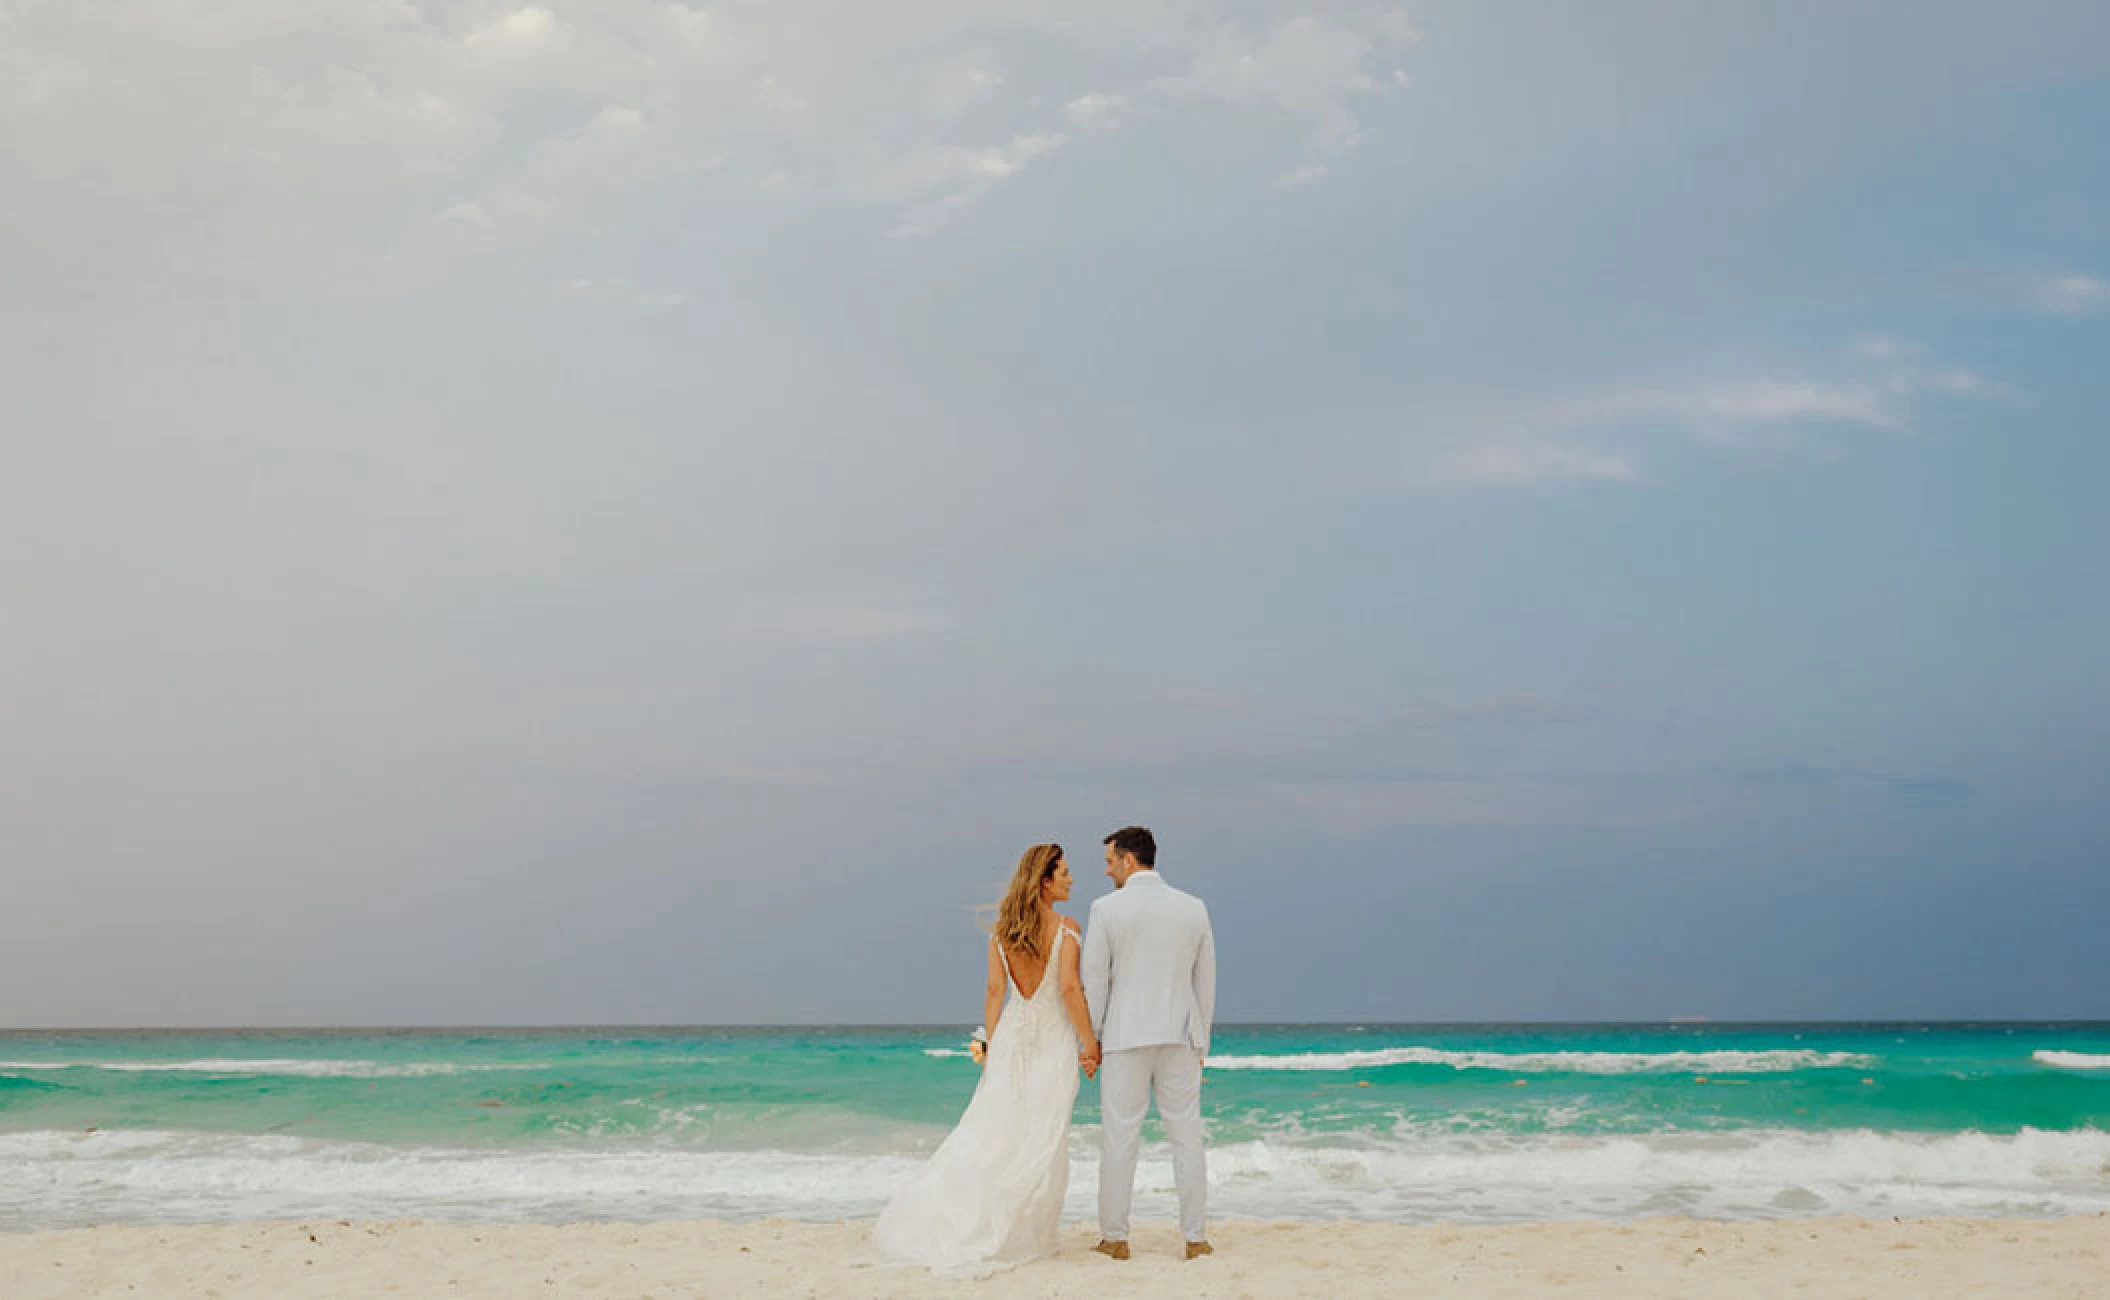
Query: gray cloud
(351, 141)
(487, 509)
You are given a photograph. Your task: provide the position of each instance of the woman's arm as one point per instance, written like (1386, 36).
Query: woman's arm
(993, 992)
(1080, 1014)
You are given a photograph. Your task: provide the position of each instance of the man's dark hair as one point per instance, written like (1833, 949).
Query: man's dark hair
(1137, 840)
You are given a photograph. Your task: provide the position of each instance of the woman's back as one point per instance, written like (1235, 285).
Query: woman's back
(1029, 971)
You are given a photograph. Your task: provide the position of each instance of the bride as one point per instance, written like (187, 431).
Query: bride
(992, 1193)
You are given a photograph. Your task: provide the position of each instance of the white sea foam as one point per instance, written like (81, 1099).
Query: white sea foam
(1724, 1062)
(946, 1051)
(53, 1179)
(302, 1068)
(2074, 1060)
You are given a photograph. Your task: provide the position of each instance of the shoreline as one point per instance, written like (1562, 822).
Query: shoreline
(1876, 1259)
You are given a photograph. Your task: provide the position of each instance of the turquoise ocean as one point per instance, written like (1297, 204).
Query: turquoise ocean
(1408, 1123)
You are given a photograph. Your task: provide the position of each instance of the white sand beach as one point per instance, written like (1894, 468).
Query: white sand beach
(1824, 1259)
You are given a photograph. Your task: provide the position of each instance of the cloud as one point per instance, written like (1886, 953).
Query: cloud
(917, 109)
(1775, 411)
(622, 292)
(536, 197)
(2069, 295)
(959, 175)
(1303, 66)
(1602, 437)
(1881, 347)
(522, 29)
(1727, 413)
(1956, 382)
(1524, 460)
(1097, 111)
(959, 83)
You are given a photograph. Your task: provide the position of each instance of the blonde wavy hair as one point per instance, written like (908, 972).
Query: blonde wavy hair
(1018, 916)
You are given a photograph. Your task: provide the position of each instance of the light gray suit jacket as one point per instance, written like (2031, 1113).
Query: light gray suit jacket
(1149, 967)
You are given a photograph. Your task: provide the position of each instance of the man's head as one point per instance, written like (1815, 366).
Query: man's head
(1129, 850)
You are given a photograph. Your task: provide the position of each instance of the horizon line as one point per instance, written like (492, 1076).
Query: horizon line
(1655, 1022)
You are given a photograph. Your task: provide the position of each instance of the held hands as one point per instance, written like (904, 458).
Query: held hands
(1089, 1059)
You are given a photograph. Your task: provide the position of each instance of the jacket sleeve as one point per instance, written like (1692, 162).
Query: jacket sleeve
(1096, 967)
(1205, 980)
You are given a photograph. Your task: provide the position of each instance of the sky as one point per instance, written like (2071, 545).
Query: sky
(639, 512)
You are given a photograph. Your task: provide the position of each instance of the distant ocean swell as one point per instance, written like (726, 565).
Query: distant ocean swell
(1554, 1062)
(1673, 1062)
(1463, 1124)
(52, 1180)
(301, 1069)
(1538, 1062)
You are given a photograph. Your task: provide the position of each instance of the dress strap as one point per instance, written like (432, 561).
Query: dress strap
(1049, 967)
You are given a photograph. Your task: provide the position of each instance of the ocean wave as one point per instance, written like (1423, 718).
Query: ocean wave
(2073, 1060)
(57, 1179)
(306, 1069)
(1722, 1062)
(1751, 1174)
(946, 1051)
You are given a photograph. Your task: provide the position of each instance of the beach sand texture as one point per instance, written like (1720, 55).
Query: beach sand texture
(1823, 1259)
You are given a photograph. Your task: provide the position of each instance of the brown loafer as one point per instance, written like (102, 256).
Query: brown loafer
(1197, 1249)
(1113, 1249)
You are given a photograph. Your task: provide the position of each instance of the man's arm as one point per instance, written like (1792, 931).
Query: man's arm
(1098, 969)
(1205, 979)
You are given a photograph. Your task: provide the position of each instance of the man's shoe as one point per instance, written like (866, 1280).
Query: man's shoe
(1197, 1249)
(1113, 1249)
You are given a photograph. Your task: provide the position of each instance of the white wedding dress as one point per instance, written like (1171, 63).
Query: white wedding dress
(992, 1193)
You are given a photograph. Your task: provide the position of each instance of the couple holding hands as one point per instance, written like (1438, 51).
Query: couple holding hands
(1130, 1001)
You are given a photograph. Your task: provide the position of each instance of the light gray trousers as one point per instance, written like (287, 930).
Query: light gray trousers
(1127, 1080)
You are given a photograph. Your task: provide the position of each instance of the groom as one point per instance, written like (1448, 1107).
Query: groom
(1150, 982)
